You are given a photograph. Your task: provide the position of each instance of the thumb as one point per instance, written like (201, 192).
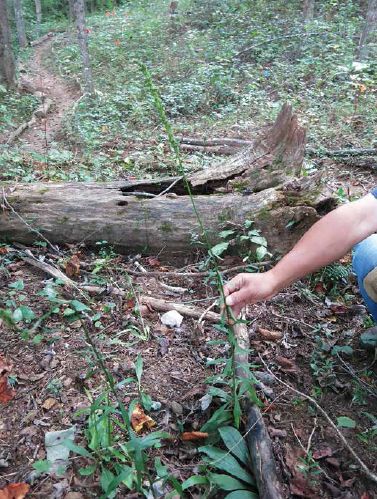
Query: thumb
(236, 298)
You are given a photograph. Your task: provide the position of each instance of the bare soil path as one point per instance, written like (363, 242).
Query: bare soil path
(38, 138)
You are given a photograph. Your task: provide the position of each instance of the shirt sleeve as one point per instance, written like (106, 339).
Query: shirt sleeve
(374, 192)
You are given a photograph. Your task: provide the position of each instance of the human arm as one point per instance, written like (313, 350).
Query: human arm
(326, 241)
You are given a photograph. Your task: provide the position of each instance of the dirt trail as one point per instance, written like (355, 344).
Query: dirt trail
(38, 137)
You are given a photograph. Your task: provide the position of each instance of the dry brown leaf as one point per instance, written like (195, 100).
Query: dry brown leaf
(189, 436)
(3, 250)
(72, 267)
(287, 365)
(49, 403)
(153, 261)
(6, 392)
(140, 421)
(14, 491)
(323, 452)
(268, 335)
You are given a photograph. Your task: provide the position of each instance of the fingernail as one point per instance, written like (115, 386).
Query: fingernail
(229, 301)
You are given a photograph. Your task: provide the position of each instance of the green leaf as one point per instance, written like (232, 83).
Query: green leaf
(226, 482)
(194, 480)
(146, 401)
(42, 466)
(345, 422)
(219, 248)
(242, 494)
(219, 418)
(78, 306)
(18, 285)
(125, 476)
(139, 368)
(346, 349)
(88, 470)
(224, 461)
(106, 478)
(68, 312)
(237, 412)
(260, 240)
(23, 313)
(226, 233)
(81, 451)
(235, 443)
(17, 315)
(261, 252)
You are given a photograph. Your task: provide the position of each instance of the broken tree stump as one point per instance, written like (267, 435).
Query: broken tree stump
(262, 183)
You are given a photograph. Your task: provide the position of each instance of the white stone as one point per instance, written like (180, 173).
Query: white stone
(172, 318)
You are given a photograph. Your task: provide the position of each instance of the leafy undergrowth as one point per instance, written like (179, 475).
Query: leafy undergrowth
(63, 346)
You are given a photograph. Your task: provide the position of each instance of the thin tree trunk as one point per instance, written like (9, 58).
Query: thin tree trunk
(369, 28)
(7, 68)
(38, 15)
(308, 10)
(82, 37)
(20, 23)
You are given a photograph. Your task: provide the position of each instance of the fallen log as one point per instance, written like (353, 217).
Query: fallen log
(260, 183)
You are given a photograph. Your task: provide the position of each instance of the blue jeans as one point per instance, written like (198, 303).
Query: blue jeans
(364, 261)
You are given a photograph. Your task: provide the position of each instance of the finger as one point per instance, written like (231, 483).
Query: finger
(237, 297)
(233, 285)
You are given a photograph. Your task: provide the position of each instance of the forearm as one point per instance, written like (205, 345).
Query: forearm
(328, 240)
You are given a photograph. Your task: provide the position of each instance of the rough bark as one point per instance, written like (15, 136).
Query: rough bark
(82, 38)
(369, 28)
(133, 217)
(7, 68)
(258, 440)
(38, 17)
(308, 10)
(20, 23)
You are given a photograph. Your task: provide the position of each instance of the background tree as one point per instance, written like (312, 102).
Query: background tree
(20, 23)
(7, 69)
(82, 37)
(369, 28)
(308, 10)
(38, 15)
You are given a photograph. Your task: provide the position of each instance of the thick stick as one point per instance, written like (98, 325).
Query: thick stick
(257, 437)
(156, 303)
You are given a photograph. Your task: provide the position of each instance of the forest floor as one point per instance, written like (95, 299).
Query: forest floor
(39, 137)
(54, 373)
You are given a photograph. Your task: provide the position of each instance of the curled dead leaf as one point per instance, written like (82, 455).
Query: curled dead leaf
(189, 436)
(6, 392)
(49, 403)
(140, 421)
(72, 267)
(287, 365)
(14, 491)
(268, 335)
(5, 366)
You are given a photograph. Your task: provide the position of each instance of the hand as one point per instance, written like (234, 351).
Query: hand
(249, 288)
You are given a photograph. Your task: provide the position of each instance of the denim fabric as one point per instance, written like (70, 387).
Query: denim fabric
(365, 260)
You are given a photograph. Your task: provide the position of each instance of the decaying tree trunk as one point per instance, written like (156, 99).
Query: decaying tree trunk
(82, 38)
(7, 67)
(261, 183)
(20, 23)
(369, 28)
(38, 17)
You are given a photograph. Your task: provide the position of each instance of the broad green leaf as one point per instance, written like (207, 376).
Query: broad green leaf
(345, 422)
(18, 285)
(17, 315)
(106, 478)
(260, 252)
(42, 466)
(226, 233)
(78, 306)
(27, 313)
(237, 412)
(219, 418)
(219, 248)
(68, 312)
(125, 476)
(260, 240)
(224, 461)
(226, 482)
(194, 480)
(235, 443)
(88, 470)
(242, 494)
(146, 401)
(346, 349)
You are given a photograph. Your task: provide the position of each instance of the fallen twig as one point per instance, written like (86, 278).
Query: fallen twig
(372, 476)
